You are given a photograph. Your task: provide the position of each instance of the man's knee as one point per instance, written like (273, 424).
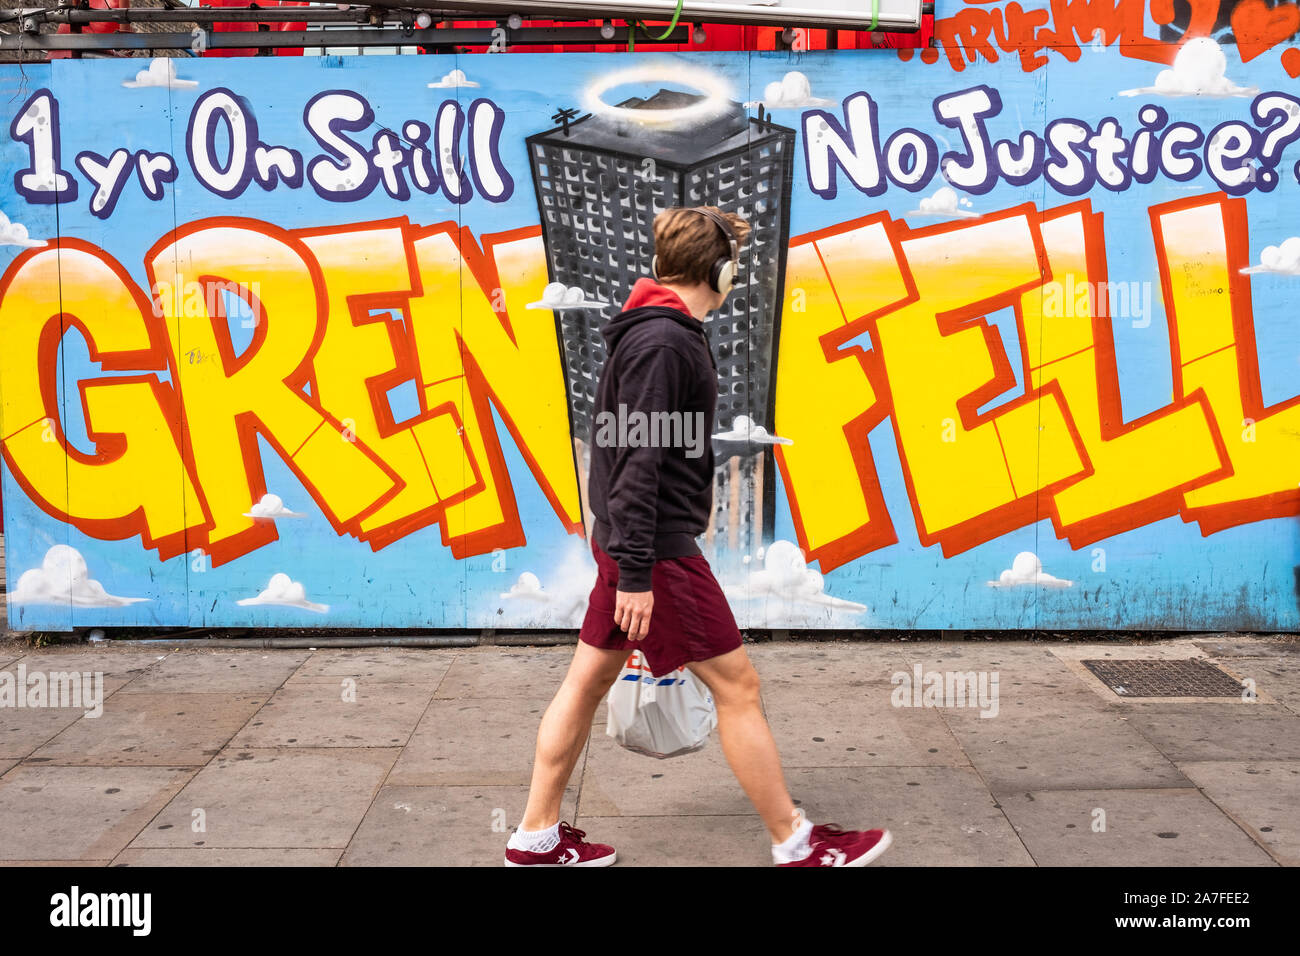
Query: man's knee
(592, 682)
(738, 689)
(597, 687)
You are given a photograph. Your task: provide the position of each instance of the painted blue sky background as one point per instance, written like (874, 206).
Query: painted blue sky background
(1162, 575)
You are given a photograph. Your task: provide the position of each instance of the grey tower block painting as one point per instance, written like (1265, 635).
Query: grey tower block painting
(600, 181)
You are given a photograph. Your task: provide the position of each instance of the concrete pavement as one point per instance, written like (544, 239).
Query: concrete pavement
(422, 757)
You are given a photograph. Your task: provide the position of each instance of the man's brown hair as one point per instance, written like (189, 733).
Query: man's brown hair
(688, 244)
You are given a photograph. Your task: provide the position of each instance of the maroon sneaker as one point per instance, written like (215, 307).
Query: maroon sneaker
(833, 846)
(572, 850)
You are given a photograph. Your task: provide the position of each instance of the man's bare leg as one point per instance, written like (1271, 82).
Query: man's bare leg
(747, 740)
(564, 729)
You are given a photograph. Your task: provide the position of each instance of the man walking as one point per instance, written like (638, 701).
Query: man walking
(654, 589)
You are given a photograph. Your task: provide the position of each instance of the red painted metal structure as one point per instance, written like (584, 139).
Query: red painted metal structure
(717, 37)
(720, 37)
(105, 27)
(254, 27)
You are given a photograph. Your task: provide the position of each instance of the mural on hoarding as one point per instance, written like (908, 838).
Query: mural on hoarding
(314, 342)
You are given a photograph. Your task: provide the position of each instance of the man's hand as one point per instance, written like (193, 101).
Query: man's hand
(632, 612)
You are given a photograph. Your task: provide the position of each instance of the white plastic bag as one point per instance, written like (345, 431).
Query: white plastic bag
(659, 716)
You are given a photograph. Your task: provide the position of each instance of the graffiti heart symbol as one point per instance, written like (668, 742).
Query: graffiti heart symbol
(1291, 62)
(1259, 28)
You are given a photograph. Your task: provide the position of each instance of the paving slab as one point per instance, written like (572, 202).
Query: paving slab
(442, 826)
(273, 798)
(1215, 731)
(938, 816)
(1179, 827)
(118, 665)
(78, 863)
(817, 663)
(374, 714)
(1030, 680)
(23, 731)
(398, 666)
(156, 730)
(80, 813)
(855, 727)
(617, 782)
(472, 742)
(218, 672)
(206, 856)
(491, 672)
(1163, 650)
(683, 841)
(1286, 647)
(1049, 751)
(415, 779)
(1263, 797)
(1275, 678)
(953, 655)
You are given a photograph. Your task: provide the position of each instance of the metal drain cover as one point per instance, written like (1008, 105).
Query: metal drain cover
(1165, 678)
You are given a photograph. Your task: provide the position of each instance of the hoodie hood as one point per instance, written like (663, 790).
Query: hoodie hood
(648, 292)
(650, 300)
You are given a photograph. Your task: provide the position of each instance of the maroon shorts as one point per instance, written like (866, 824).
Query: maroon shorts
(690, 619)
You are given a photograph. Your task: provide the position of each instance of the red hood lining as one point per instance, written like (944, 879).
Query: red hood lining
(648, 292)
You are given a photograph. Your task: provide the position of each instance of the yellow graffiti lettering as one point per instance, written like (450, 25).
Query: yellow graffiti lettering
(1203, 245)
(943, 362)
(134, 481)
(825, 402)
(473, 358)
(230, 399)
(1141, 469)
(365, 269)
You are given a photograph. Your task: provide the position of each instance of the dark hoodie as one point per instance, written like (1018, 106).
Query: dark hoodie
(651, 489)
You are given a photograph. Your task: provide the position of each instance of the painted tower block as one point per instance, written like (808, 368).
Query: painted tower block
(600, 182)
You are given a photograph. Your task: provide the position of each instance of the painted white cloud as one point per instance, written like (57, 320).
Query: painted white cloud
(529, 603)
(557, 295)
(1199, 70)
(161, 72)
(63, 578)
(1027, 571)
(15, 234)
(785, 593)
(786, 578)
(453, 80)
(793, 91)
(528, 588)
(1283, 259)
(744, 429)
(944, 202)
(283, 591)
(271, 507)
